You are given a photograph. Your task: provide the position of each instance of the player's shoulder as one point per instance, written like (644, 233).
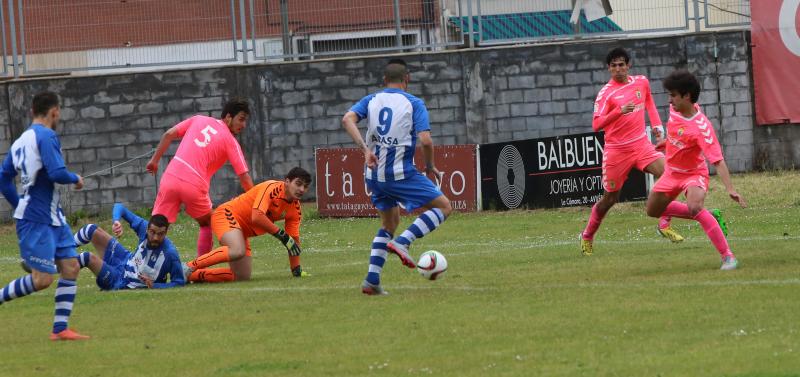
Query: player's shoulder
(641, 79)
(604, 91)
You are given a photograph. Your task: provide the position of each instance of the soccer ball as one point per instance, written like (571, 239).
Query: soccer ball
(432, 265)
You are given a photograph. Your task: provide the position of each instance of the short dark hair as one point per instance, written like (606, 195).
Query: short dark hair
(43, 102)
(300, 173)
(235, 106)
(616, 53)
(396, 70)
(683, 81)
(159, 220)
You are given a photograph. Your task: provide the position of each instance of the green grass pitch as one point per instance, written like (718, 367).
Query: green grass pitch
(518, 300)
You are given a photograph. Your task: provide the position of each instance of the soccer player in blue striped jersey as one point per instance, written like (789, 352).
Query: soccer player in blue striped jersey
(45, 239)
(396, 120)
(116, 268)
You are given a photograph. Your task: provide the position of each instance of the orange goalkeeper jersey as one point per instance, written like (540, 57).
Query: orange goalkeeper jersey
(268, 197)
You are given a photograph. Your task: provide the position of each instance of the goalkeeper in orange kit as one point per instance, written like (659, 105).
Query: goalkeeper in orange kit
(248, 215)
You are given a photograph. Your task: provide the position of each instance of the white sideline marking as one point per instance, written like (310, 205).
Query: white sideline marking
(232, 287)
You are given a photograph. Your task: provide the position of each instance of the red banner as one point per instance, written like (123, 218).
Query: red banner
(341, 191)
(776, 60)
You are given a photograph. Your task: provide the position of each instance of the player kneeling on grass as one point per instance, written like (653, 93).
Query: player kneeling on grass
(248, 215)
(116, 268)
(690, 142)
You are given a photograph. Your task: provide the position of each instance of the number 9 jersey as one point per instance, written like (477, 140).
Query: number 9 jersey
(394, 118)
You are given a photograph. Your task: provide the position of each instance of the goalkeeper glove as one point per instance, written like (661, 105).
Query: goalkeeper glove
(292, 247)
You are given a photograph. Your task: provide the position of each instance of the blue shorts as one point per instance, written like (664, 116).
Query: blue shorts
(41, 244)
(413, 192)
(112, 274)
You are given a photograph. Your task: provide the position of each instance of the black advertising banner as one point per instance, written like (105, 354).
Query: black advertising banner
(561, 171)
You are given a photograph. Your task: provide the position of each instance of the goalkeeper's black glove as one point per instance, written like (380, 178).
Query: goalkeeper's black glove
(292, 247)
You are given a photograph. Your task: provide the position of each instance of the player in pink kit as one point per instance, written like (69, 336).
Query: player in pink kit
(690, 137)
(619, 111)
(206, 143)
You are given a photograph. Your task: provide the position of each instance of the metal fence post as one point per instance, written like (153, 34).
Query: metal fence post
(22, 38)
(398, 32)
(13, 28)
(470, 26)
(696, 15)
(244, 31)
(5, 45)
(480, 23)
(286, 38)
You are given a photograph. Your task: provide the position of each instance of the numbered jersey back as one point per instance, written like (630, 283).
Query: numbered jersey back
(394, 120)
(205, 146)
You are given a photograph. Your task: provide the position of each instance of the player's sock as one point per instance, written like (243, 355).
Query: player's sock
(294, 261)
(84, 234)
(377, 256)
(65, 297)
(205, 242)
(83, 259)
(212, 275)
(216, 256)
(594, 223)
(677, 209)
(714, 232)
(17, 288)
(663, 222)
(427, 222)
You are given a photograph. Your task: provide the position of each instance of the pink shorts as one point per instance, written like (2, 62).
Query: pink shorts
(172, 192)
(673, 183)
(618, 162)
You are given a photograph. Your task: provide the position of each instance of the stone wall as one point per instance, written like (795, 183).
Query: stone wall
(473, 96)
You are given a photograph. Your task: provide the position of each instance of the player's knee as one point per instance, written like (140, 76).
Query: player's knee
(652, 212)
(41, 280)
(694, 209)
(446, 208)
(69, 268)
(242, 276)
(235, 253)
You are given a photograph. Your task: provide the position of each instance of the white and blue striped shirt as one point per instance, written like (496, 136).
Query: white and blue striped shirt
(36, 157)
(394, 119)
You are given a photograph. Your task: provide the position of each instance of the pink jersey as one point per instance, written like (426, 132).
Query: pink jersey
(629, 127)
(205, 146)
(689, 140)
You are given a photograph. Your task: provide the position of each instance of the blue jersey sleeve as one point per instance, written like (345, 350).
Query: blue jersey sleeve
(138, 224)
(50, 152)
(361, 108)
(175, 268)
(420, 116)
(7, 188)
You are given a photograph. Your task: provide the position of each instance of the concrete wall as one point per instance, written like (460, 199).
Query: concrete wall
(473, 96)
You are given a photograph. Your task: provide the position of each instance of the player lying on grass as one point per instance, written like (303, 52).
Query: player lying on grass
(154, 259)
(691, 141)
(249, 215)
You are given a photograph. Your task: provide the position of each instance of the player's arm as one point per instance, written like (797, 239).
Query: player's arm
(138, 224)
(426, 142)
(609, 115)
(167, 138)
(349, 122)
(246, 181)
(7, 188)
(50, 152)
(656, 127)
(175, 272)
(725, 177)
